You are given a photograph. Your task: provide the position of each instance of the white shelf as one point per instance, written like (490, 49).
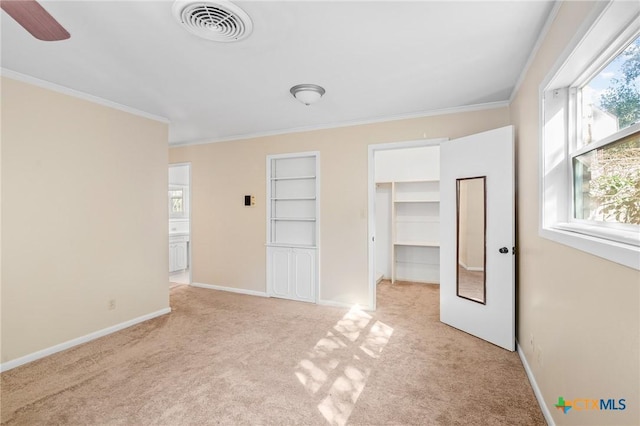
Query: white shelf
(419, 220)
(293, 178)
(291, 245)
(293, 199)
(409, 262)
(292, 226)
(415, 181)
(417, 243)
(292, 194)
(415, 220)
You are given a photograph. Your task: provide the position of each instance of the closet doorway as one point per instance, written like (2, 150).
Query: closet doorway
(179, 205)
(404, 213)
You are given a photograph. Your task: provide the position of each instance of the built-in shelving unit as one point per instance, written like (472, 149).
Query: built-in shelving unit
(415, 231)
(292, 225)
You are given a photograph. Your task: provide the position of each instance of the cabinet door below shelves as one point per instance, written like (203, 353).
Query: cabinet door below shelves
(173, 257)
(279, 266)
(304, 271)
(291, 273)
(177, 256)
(181, 256)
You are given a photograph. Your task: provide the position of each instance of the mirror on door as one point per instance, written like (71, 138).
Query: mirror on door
(471, 226)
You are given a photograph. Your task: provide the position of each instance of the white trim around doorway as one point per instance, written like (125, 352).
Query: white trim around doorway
(371, 189)
(188, 163)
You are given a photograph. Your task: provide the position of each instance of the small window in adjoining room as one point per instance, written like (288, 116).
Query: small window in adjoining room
(176, 202)
(590, 146)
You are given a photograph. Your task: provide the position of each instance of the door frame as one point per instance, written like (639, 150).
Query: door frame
(187, 163)
(371, 189)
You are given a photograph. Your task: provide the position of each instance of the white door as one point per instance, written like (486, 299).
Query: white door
(181, 255)
(279, 271)
(490, 155)
(173, 257)
(303, 270)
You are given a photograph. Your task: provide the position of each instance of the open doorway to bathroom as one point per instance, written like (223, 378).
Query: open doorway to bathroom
(179, 200)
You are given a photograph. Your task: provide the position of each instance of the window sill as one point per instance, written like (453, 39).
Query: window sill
(573, 235)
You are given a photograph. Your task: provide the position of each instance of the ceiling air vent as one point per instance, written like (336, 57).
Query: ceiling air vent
(214, 20)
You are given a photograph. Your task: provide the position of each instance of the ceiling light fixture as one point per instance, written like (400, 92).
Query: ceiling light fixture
(307, 93)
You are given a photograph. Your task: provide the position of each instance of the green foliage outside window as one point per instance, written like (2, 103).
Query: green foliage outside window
(622, 98)
(614, 184)
(607, 179)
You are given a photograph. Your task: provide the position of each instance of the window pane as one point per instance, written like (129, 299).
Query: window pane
(607, 182)
(611, 100)
(176, 205)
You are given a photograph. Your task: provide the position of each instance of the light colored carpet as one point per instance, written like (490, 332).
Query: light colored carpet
(223, 358)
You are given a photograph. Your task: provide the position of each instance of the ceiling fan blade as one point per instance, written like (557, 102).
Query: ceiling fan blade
(35, 19)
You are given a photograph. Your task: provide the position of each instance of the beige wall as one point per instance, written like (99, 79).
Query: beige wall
(228, 239)
(84, 217)
(582, 311)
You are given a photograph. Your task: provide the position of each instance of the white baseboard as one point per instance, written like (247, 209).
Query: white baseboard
(230, 289)
(79, 340)
(434, 282)
(536, 390)
(471, 268)
(263, 294)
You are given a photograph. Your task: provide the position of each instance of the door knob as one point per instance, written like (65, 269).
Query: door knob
(503, 250)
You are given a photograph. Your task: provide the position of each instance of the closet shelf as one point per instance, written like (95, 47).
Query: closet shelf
(294, 219)
(415, 181)
(293, 178)
(288, 245)
(408, 262)
(419, 220)
(293, 198)
(417, 243)
(415, 219)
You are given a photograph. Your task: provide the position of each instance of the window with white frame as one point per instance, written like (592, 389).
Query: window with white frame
(590, 192)
(605, 163)
(177, 204)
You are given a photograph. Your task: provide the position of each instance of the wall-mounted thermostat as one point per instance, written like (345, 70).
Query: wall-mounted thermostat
(249, 200)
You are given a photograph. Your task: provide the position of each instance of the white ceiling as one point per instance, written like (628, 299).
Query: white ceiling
(376, 60)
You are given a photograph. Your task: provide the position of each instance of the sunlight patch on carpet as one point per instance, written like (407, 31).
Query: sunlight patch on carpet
(352, 343)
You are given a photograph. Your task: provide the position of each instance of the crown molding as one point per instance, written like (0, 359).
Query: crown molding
(444, 111)
(101, 101)
(78, 94)
(534, 51)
